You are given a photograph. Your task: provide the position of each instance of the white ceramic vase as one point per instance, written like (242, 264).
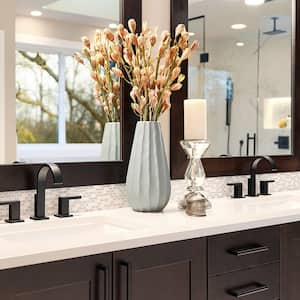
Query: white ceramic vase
(148, 177)
(110, 149)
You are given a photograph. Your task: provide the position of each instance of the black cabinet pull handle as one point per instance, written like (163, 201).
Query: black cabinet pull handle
(251, 289)
(102, 283)
(253, 249)
(125, 281)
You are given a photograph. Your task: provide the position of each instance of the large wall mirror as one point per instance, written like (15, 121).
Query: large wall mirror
(55, 116)
(246, 70)
(243, 69)
(58, 117)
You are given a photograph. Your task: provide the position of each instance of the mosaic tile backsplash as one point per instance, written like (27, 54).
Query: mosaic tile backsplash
(114, 196)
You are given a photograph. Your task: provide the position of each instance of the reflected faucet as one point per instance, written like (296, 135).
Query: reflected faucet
(253, 172)
(39, 197)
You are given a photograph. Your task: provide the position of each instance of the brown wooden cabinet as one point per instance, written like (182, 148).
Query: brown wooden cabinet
(290, 261)
(254, 264)
(87, 278)
(245, 265)
(174, 271)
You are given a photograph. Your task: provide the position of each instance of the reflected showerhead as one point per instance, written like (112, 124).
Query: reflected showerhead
(275, 31)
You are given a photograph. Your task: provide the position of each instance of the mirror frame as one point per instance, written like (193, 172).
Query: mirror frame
(232, 165)
(22, 176)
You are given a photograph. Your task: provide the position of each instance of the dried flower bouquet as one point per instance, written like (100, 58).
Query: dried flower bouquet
(153, 77)
(107, 86)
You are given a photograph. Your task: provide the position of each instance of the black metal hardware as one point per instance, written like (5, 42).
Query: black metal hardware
(253, 170)
(248, 250)
(241, 147)
(237, 189)
(102, 283)
(283, 142)
(264, 187)
(251, 289)
(125, 281)
(14, 211)
(251, 138)
(64, 206)
(204, 57)
(39, 197)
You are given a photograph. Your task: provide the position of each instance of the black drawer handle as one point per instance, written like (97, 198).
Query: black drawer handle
(249, 290)
(102, 283)
(252, 249)
(125, 280)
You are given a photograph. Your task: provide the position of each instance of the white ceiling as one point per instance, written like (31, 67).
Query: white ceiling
(221, 14)
(98, 13)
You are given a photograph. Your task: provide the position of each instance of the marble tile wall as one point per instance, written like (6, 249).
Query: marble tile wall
(114, 196)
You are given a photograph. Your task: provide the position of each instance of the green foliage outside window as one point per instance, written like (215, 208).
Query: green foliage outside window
(37, 96)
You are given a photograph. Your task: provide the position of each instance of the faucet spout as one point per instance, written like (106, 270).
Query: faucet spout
(270, 160)
(39, 197)
(253, 171)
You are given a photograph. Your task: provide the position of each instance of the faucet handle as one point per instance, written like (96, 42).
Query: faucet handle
(64, 206)
(237, 189)
(264, 187)
(14, 211)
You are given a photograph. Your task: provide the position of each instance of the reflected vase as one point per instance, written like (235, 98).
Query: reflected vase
(148, 177)
(110, 148)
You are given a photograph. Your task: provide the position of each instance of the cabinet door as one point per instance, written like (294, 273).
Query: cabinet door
(87, 278)
(174, 271)
(290, 261)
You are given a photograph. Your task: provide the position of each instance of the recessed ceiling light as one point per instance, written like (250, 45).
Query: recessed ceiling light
(191, 33)
(238, 26)
(113, 26)
(254, 2)
(240, 44)
(36, 13)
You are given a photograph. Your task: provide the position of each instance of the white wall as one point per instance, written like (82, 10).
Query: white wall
(2, 92)
(8, 106)
(52, 29)
(240, 63)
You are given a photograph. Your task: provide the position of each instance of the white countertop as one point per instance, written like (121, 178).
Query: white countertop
(36, 242)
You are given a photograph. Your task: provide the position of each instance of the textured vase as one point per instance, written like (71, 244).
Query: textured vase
(148, 177)
(110, 149)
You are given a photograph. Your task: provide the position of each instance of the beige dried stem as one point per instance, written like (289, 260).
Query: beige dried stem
(153, 78)
(100, 56)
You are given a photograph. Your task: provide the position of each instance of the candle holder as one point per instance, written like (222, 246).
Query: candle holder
(195, 202)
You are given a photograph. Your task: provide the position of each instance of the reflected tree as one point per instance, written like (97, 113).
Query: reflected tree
(37, 101)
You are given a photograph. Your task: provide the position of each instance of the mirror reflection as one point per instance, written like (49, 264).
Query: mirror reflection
(244, 71)
(58, 117)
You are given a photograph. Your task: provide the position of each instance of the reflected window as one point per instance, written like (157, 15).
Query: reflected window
(56, 109)
(37, 97)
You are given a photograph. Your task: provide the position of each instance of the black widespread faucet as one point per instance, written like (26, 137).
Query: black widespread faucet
(253, 170)
(39, 197)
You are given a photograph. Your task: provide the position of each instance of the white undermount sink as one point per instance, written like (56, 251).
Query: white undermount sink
(61, 230)
(279, 201)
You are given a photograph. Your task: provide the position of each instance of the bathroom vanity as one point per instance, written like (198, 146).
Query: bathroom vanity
(245, 248)
(123, 255)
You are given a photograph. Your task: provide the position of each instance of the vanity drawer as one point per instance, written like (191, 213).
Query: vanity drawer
(259, 283)
(243, 249)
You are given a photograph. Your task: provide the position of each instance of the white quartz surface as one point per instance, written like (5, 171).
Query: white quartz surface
(35, 242)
